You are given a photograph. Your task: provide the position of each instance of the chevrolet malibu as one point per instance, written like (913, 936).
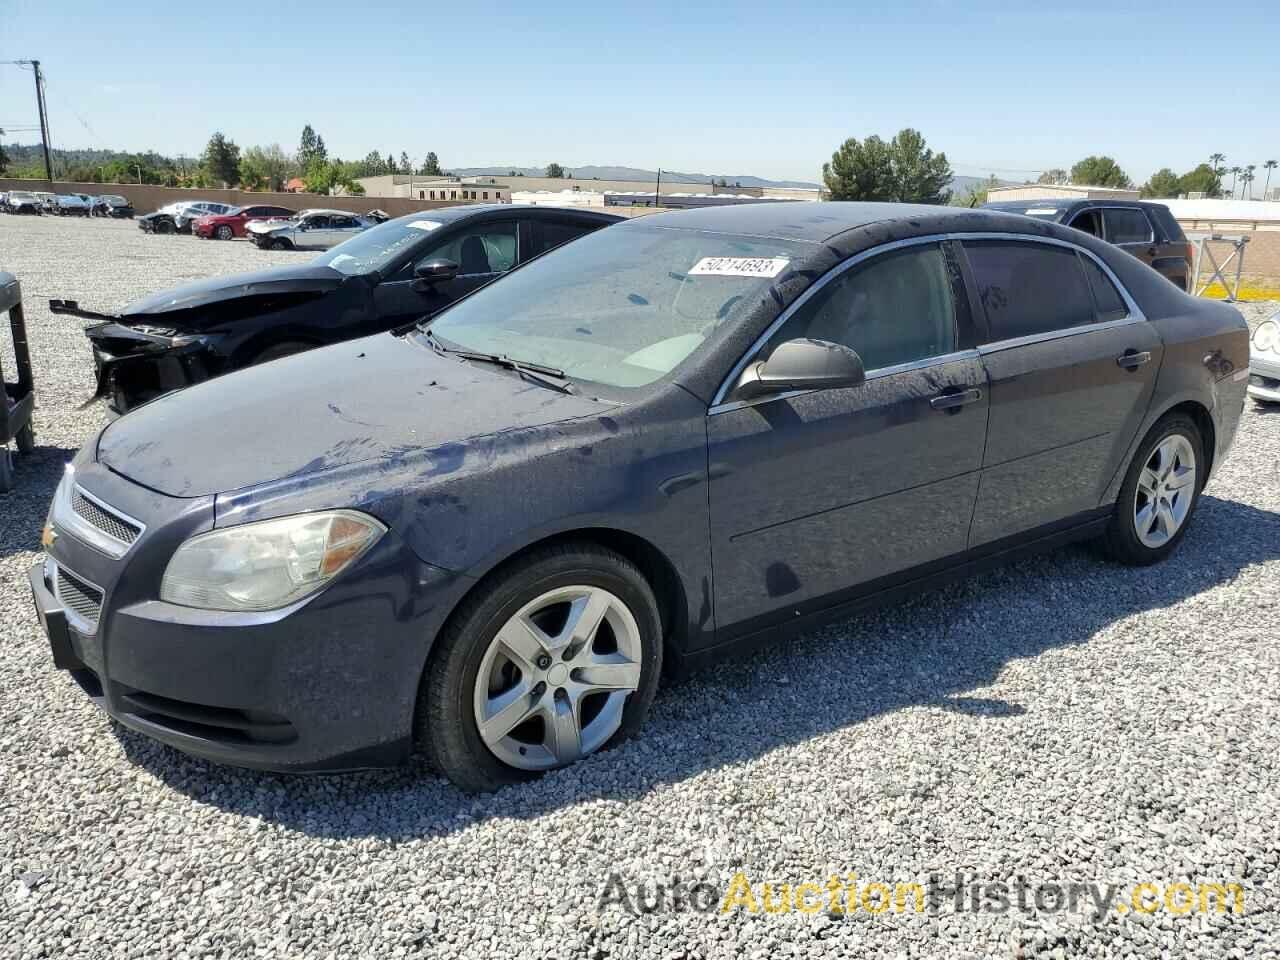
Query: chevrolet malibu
(487, 536)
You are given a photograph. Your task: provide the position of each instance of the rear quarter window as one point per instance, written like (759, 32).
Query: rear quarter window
(1170, 227)
(1029, 288)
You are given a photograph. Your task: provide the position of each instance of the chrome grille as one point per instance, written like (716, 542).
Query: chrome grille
(84, 599)
(112, 525)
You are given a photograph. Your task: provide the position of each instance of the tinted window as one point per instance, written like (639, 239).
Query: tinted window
(893, 309)
(1168, 225)
(484, 248)
(1127, 226)
(317, 223)
(343, 222)
(1105, 295)
(548, 235)
(1029, 288)
(1087, 221)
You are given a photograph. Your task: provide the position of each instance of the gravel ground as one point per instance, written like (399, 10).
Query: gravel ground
(1066, 720)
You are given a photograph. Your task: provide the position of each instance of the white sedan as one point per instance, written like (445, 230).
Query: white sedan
(1264, 361)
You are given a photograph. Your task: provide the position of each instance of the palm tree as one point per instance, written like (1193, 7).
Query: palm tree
(1215, 163)
(1268, 166)
(1248, 179)
(1235, 172)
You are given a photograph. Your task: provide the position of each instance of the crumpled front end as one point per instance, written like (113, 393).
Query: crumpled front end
(135, 364)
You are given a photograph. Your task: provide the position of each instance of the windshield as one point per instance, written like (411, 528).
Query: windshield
(622, 307)
(375, 248)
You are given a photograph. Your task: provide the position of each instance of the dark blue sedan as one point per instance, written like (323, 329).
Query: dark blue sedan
(484, 537)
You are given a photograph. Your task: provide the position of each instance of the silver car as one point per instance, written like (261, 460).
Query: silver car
(309, 230)
(191, 211)
(1264, 361)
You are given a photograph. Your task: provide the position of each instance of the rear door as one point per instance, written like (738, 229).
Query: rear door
(312, 232)
(815, 494)
(343, 228)
(1129, 229)
(1072, 364)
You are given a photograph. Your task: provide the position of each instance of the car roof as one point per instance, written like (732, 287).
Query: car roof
(792, 220)
(449, 215)
(1064, 203)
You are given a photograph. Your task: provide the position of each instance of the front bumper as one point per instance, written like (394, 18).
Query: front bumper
(328, 684)
(1264, 377)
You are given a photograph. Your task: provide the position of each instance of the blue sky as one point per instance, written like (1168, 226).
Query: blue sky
(768, 89)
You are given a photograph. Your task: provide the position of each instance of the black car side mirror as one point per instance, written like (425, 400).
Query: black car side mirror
(801, 365)
(432, 272)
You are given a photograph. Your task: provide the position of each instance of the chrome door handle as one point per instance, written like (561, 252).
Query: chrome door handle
(1132, 359)
(953, 401)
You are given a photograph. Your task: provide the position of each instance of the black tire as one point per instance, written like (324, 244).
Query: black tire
(445, 725)
(280, 244)
(25, 439)
(277, 350)
(165, 227)
(1121, 538)
(6, 470)
(224, 232)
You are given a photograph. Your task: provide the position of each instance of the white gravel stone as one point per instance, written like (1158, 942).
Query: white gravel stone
(1062, 720)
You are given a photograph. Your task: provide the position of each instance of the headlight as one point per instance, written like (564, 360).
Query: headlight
(1267, 337)
(267, 565)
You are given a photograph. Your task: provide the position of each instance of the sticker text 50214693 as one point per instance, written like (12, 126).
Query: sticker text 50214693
(739, 267)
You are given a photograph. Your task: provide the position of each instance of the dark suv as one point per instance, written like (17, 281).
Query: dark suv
(1147, 230)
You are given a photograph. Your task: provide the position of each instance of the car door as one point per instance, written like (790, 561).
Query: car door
(814, 495)
(483, 251)
(343, 228)
(312, 232)
(1072, 363)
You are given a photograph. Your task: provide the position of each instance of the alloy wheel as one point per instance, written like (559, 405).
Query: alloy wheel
(555, 678)
(1166, 489)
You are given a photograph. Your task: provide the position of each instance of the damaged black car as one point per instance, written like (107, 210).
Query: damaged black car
(387, 276)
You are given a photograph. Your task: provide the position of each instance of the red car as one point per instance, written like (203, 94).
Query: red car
(224, 226)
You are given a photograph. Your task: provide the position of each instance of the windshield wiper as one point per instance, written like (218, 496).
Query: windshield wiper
(536, 372)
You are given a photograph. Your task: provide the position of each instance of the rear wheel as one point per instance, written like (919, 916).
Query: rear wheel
(25, 439)
(6, 470)
(556, 658)
(1159, 493)
(165, 226)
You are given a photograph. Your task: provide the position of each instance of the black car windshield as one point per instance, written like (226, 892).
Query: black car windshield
(375, 248)
(622, 307)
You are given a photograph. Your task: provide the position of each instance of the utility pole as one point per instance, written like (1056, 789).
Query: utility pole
(658, 189)
(41, 110)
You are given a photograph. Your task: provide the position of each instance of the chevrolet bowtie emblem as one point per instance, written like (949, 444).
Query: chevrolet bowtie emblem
(49, 536)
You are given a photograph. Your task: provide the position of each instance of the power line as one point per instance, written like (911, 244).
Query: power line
(41, 111)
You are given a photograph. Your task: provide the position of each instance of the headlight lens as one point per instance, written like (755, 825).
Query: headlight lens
(267, 565)
(1267, 337)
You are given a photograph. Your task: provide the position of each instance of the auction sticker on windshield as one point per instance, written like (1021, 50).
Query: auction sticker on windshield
(739, 267)
(427, 225)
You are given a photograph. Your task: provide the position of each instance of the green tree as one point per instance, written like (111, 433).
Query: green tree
(222, 160)
(264, 168)
(431, 166)
(976, 194)
(918, 174)
(4, 159)
(310, 148)
(1268, 165)
(1163, 183)
(555, 171)
(406, 165)
(1203, 179)
(1054, 176)
(374, 165)
(1100, 171)
(860, 170)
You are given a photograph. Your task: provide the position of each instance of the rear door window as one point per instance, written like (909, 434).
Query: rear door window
(1125, 225)
(549, 234)
(1105, 295)
(1029, 288)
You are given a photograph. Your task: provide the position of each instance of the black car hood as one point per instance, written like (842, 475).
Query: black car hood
(378, 397)
(310, 278)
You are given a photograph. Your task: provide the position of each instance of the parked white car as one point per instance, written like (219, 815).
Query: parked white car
(309, 230)
(1264, 361)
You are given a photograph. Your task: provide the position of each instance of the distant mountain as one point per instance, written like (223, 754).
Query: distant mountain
(633, 173)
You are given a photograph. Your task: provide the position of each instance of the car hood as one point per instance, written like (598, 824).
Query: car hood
(300, 278)
(382, 397)
(267, 225)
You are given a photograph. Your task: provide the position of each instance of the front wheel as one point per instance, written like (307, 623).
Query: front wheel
(1159, 493)
(280, 245)
(554, 659)
(25, 439)
(224, 232)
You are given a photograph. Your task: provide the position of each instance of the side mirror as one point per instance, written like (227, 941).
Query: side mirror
(432, 272)
(801, 365)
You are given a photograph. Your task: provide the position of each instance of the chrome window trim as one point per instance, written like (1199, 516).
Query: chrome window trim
(719, 405)
(81, 625)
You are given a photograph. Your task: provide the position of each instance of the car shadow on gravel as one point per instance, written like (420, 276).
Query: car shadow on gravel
(929, 653)
(23, 509)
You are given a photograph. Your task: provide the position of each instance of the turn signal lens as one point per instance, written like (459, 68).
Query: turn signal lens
(267, 565)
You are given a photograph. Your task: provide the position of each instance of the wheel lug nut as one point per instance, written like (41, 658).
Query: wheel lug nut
(544, 662)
